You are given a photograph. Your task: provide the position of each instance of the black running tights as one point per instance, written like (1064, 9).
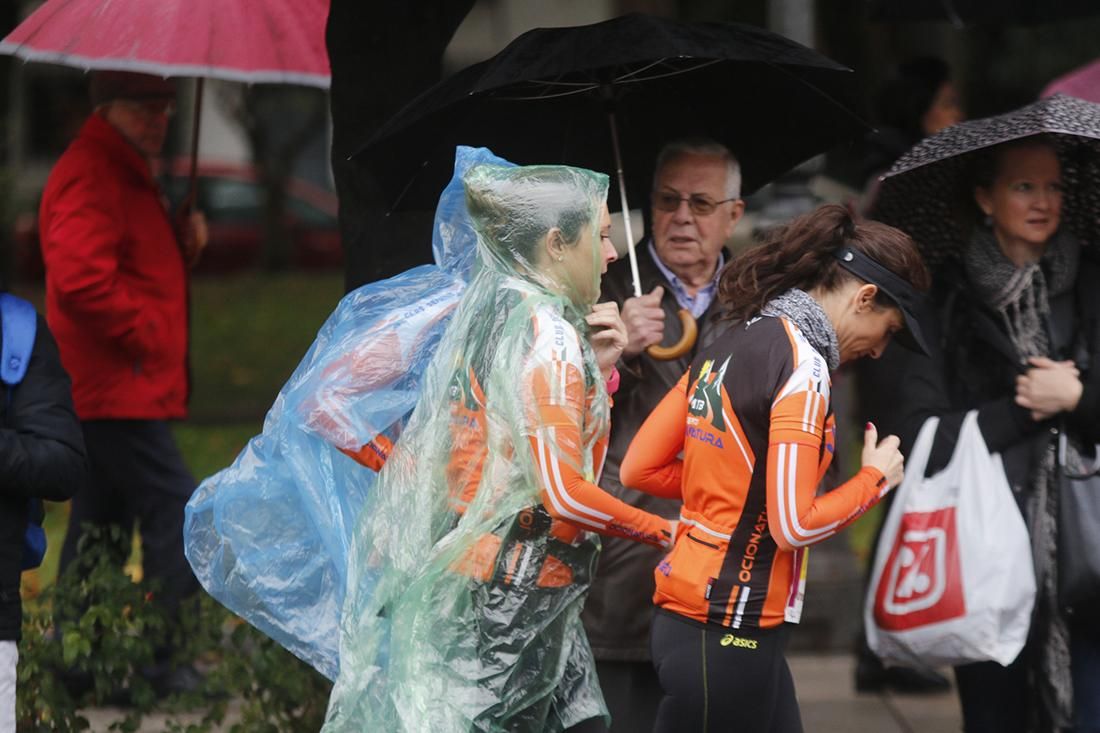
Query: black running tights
(719, 679)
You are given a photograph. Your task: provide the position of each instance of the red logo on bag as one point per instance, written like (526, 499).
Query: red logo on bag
(921, 582)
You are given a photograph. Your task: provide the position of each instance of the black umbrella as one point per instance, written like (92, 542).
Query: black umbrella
(929, 191)
(549, 95)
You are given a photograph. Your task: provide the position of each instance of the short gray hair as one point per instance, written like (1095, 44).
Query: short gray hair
(710, 148)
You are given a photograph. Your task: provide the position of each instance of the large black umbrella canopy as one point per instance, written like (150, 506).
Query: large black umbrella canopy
(929, 191)
(545, 98)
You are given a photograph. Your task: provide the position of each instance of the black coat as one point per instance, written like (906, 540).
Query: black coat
(619, 608)
(973, 367)
(41, 456)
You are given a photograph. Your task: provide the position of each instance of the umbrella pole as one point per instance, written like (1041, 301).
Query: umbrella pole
(192, 184)
(626, 209)
(687, 321)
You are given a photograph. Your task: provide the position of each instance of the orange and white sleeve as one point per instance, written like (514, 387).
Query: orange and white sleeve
(555, 404)
(652, 463)
(797, 516)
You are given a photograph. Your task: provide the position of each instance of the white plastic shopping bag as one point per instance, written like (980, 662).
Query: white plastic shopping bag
(953, 579)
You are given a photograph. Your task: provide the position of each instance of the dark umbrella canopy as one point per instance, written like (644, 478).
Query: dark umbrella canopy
(929, 191)
(545, 99)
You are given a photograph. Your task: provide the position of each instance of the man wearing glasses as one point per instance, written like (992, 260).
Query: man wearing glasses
(116, 301)
(695, 208)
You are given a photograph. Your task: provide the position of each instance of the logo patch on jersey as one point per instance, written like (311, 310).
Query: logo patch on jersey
(703, 436)
(559, 340)
(707, 400)
(665, 568)
(752, 548)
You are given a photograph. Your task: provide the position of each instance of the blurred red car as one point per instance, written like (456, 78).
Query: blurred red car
(232, 199)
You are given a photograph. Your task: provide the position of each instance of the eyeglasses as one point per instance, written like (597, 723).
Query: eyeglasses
(699, 204)
(149, 108)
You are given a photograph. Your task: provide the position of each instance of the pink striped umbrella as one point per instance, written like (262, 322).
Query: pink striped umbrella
(1083, 83)
(271, 41)
(254, 41)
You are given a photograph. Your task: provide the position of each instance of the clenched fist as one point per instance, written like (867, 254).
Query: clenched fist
(645, 321)
(884, 456)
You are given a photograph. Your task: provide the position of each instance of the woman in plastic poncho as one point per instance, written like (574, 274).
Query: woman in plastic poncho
(472, 558)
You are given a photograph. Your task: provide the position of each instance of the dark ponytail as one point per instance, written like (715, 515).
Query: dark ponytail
(801, 255)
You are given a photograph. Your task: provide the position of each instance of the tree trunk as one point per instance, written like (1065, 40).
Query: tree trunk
(279, 122)
(383, 53)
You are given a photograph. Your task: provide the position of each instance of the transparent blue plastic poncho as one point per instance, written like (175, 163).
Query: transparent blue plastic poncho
(456, 594)
(268, 537)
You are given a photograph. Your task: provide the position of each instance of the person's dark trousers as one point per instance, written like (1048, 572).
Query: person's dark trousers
(1085, 656)
(136, 472)
(632, 693)
(994, 699)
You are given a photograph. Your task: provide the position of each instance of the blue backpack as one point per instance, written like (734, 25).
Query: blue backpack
(19, 324)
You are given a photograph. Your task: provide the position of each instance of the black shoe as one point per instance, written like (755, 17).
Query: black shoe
(872, 676)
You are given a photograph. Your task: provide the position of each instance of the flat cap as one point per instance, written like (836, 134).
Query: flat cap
(107, 86)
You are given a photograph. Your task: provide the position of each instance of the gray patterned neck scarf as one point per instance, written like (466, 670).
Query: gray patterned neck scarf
(1021, 295)
(806, 313)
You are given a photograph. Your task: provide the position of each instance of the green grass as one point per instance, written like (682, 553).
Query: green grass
(210, 448)
(248, 333)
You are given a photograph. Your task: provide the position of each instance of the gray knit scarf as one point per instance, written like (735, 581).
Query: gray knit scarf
(806, 313)
(1021, 296)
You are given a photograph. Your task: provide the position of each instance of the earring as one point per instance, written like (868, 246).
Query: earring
(561, 258)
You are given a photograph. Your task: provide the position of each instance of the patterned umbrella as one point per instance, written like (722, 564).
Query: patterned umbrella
(929, 191)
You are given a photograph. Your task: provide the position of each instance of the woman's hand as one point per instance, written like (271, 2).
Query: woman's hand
(884, 456)
(1048, 388)
(608, 335)
(673, 530)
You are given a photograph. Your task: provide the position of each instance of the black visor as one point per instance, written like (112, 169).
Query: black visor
(908, 299)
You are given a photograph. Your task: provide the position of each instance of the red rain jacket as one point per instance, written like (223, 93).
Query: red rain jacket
(116, 282)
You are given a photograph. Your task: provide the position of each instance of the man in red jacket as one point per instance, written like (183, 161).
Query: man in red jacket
(117, 303)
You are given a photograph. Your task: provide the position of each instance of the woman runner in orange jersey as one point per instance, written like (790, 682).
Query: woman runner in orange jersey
(473, 555)
(744, 439)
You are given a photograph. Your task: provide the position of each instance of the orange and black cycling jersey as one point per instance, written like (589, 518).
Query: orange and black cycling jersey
(557, 399)
(760, 393)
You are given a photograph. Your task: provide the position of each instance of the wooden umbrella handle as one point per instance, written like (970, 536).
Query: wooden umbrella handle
(681, 347)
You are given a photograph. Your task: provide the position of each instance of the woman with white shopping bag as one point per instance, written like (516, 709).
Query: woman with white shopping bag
(1018, 306)
(744, 439)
